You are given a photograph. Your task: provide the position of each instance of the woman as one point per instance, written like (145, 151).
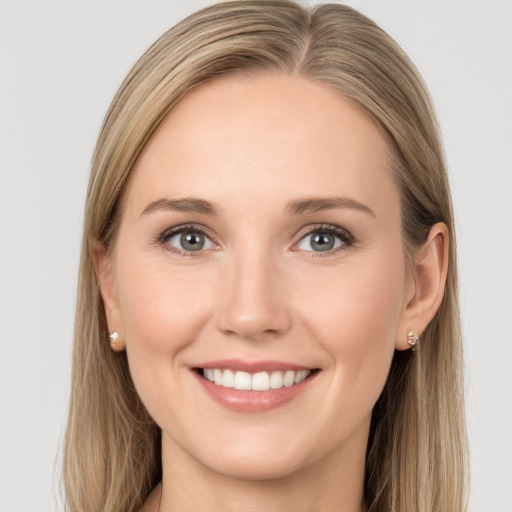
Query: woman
(267, 311)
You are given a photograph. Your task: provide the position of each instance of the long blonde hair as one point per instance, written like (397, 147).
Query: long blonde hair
(416, 458)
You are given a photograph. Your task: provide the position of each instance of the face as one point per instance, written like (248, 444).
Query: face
(260, 248)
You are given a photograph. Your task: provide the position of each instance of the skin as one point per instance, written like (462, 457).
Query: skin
(258, 291)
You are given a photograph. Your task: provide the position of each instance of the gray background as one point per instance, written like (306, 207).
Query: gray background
(60, 64)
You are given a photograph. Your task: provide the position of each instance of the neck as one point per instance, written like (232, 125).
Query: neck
(334, 483)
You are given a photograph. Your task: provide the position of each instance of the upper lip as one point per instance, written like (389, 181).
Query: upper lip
(252, 366)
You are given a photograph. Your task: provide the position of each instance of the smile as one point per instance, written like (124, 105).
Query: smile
(260, 381)
(253, 387)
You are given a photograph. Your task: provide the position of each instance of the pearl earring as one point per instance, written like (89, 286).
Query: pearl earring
(116, 343)
(412, 339)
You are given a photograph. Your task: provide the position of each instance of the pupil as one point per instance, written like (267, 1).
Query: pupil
(192, 241)
(322, 242)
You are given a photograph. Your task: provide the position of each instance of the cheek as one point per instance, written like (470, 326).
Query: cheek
(354, 313)
(163, 310)
(360, 303)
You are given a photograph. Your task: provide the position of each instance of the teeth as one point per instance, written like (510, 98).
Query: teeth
(228, 379)
(276, 380)
(289, 379)
(242, 380)
(261, 381)
(300, 376)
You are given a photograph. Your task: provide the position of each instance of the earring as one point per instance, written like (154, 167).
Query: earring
(116, 344)
(412, 339)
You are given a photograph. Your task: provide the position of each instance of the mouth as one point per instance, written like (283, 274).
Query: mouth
(255, 381)
(253, 387)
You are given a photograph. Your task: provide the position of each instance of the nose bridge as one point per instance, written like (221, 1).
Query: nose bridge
(254, 304)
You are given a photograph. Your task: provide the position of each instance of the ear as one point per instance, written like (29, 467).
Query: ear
(425, 290)
(106, 279)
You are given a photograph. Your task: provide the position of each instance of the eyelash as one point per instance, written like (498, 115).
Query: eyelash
(346, 238)
(164, 238)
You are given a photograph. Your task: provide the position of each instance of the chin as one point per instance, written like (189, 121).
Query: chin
(256, 468)
(263, 455)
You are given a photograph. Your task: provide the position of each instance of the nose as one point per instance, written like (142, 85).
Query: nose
(253, 299)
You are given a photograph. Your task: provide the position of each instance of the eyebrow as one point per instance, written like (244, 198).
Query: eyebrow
(316, 204)
(297, 207)
(188, 204)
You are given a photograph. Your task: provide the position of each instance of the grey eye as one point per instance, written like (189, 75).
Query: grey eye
(190, 240)
(320, 241)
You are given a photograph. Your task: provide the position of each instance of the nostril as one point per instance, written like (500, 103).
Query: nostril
(255, 326)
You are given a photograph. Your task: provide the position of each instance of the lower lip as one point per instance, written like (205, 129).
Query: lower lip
(253, 401)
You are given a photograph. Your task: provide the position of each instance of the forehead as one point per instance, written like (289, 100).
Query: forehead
(262, 138)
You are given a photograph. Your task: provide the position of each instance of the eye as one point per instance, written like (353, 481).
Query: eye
(186, 239)
(325, 239)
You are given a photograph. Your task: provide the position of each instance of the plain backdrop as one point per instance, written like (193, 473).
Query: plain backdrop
(60, 65)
